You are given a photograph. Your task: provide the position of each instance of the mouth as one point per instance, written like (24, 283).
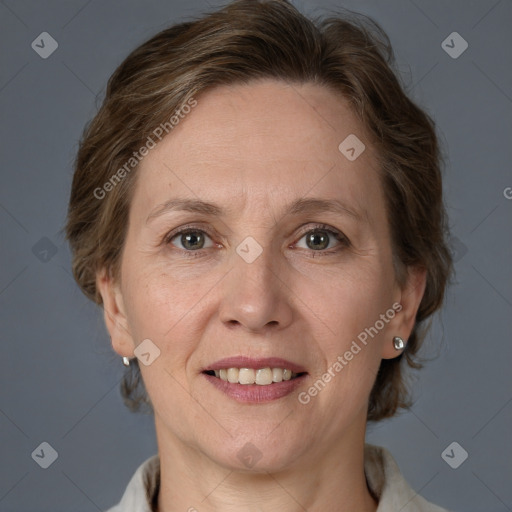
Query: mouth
(255, 380)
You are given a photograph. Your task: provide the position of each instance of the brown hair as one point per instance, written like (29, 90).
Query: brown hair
(242, 42)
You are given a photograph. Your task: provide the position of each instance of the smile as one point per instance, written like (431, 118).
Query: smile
(251, 380)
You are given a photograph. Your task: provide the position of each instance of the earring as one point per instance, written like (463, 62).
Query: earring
(398, 343)
(126, 361)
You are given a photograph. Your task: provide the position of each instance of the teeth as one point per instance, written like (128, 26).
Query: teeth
(262, 376)
(277, 374)
(246, 376)
(233, 375)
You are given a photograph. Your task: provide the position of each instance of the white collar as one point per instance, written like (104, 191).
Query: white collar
(382, 474)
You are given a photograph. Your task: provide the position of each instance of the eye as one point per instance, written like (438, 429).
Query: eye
(190, 239)
(323, 239)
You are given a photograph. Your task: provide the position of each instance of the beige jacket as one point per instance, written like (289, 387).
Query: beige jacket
(382, 474)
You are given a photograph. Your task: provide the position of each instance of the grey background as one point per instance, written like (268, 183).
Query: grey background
(59, 379)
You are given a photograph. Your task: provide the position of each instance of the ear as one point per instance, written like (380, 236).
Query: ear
(409, 297)
(114, 313)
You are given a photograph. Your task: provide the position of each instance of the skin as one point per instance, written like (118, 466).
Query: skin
(253, 149)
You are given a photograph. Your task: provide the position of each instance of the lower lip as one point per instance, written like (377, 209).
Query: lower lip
(254, 393)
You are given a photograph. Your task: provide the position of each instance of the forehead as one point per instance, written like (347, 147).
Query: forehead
(266, 140)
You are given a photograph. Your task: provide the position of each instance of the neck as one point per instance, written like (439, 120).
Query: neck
(333, 480)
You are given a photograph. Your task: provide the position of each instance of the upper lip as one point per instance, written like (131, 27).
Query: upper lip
(255, 363)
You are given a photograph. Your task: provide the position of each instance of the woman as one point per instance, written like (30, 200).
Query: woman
(258, 207)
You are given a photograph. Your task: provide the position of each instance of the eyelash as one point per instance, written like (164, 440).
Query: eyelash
(344, 241)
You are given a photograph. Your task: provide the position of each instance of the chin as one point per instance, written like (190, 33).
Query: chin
(257, 452)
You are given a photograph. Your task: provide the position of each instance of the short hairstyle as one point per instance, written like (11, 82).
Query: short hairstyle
(245, 41)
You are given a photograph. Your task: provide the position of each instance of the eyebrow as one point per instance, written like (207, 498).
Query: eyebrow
(297, 207)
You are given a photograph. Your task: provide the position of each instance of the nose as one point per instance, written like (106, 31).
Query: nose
(255, 296)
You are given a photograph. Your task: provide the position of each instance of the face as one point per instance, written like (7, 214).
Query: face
(255, 243)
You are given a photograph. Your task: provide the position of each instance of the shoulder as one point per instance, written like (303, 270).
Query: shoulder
(389, 486)
(141, 489)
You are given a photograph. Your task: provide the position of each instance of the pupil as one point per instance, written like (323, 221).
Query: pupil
(192, 240)
(320, 238)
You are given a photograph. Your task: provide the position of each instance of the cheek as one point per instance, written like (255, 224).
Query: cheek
(347, 303)
(160, 307)
(351, 350)
(170, 313)
(349, 333)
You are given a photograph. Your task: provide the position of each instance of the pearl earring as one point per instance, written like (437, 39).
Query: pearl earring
(126, 361)
(398, 343)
